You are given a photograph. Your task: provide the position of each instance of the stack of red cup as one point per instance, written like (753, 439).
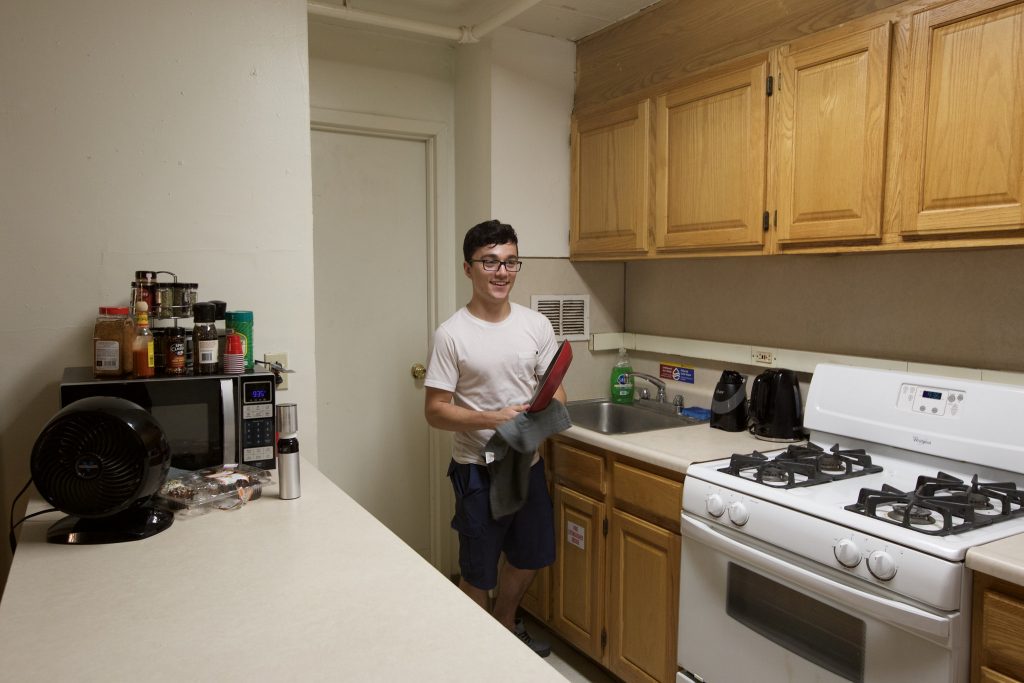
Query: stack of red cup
(234, 358)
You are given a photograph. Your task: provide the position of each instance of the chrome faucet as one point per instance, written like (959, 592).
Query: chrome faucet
(653, 380)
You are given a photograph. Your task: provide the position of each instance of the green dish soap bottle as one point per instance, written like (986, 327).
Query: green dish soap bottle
(621, 381)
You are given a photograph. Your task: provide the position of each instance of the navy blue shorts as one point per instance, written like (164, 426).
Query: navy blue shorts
(527, 537)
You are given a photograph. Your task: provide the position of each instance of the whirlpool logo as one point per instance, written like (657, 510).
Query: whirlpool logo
(922, 441)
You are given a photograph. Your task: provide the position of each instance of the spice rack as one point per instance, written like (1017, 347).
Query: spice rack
(167, 300)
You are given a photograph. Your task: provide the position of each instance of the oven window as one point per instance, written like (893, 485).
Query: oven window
(817, 632)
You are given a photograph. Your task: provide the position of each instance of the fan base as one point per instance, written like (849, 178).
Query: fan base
(133, 524)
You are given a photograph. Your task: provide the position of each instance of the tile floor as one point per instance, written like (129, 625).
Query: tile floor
(566, 660)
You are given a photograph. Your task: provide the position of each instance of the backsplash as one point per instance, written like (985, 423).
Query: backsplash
(943, 308)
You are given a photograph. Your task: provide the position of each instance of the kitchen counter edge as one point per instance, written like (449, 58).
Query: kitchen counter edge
(1003, 559)
(674, 449)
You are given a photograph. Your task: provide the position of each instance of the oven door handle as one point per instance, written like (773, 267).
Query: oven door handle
(934, 627)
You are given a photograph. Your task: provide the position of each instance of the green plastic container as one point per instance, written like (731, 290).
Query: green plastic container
(240, 322)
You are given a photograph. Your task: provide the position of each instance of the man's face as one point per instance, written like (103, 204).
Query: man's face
(492, 286)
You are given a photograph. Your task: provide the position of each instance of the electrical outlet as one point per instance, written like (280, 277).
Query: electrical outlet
(762, 356)
(282, 359)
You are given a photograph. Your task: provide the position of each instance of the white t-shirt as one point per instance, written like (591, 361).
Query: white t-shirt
(489, 366)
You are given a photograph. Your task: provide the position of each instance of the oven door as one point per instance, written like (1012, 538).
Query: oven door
(749, 613)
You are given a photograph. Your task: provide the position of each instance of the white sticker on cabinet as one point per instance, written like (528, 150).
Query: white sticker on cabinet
(576, 535)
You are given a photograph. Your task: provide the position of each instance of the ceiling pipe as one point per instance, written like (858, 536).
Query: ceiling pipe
(463, 34)
(501, 18)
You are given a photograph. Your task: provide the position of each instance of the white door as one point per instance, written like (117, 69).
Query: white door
(370, 254)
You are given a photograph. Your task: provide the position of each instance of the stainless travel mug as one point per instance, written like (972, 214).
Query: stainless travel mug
(288, 451)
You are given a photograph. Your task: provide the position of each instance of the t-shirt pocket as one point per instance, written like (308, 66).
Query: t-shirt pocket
(526, 367)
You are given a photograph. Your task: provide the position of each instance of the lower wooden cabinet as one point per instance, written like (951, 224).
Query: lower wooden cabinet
(644, 599)
(615, 581)
(578, 585)
(997, 631)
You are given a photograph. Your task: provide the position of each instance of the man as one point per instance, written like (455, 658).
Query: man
(484, 366)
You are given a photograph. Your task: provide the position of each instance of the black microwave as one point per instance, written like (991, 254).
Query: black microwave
(208, 419)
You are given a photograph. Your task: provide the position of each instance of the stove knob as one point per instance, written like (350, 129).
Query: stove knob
(881, 565)
(847, 553)
(738, 513)
(716, 506)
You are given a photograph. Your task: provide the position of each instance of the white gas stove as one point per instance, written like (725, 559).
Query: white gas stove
(869, 524)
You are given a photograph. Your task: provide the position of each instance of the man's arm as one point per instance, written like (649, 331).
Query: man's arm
(443, 414)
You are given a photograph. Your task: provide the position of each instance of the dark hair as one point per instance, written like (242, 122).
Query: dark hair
(485, 234)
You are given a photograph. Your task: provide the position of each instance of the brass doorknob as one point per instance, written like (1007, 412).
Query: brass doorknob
(418, 371)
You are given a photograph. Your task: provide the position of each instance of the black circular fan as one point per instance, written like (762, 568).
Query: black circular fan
(100, 460)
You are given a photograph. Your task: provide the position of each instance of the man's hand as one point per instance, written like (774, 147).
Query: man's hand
(443, 414)
(509, 413)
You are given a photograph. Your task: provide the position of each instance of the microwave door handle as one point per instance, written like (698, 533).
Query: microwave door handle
(227, 419)
(933, 627)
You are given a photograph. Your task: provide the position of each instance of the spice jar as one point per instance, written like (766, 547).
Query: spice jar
(191, 296)
(174, 356)
(179, 301)
(142, 289)
(220, 308)
(163, 300)
(112, 342)
(204, 340)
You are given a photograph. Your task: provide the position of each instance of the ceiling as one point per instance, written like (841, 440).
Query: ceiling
(568, 19)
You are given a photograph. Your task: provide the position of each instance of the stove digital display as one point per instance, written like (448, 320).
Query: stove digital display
(937, 395)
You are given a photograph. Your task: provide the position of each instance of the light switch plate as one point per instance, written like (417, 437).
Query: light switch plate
(282, 359)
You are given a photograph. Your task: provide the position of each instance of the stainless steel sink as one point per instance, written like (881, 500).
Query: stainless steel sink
(601, 415)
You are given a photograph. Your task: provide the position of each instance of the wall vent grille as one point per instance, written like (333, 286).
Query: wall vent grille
(569, 314)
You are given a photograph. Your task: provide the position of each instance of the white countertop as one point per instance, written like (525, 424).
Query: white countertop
(677, 448)
(307, 589)
(1002, 559)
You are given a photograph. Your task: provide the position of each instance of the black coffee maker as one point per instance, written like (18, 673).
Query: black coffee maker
(729, 403)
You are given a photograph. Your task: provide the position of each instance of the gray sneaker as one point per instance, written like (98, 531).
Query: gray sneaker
(539, 646)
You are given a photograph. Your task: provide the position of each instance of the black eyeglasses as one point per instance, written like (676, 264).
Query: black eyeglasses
(512, 265)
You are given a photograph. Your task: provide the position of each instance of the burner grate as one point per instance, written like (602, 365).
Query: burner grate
(943, 504)
(801, 465)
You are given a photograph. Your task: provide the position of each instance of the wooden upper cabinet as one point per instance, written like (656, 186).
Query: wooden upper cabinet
(710, 156)
(831, 122)
(965, 144)
(611, 188)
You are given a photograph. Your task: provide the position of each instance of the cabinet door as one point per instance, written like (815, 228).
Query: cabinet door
(578, 605)
(965, 146)
(710, 146)
(831, 120)
(1002, 633)
(643, 611)
(611, 188)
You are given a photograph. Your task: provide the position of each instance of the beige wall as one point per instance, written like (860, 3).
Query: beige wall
(157, 135)
(589, 373)
(963, 308)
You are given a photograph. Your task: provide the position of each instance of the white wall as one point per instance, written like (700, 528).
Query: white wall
(533, 78)
(158, 135)
(514, 99)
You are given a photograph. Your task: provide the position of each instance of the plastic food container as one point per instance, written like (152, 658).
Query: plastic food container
(226, 487)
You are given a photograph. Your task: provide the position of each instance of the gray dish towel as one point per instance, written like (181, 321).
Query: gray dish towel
(513, 445)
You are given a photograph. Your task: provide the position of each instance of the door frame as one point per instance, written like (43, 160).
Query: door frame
(441, 280)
